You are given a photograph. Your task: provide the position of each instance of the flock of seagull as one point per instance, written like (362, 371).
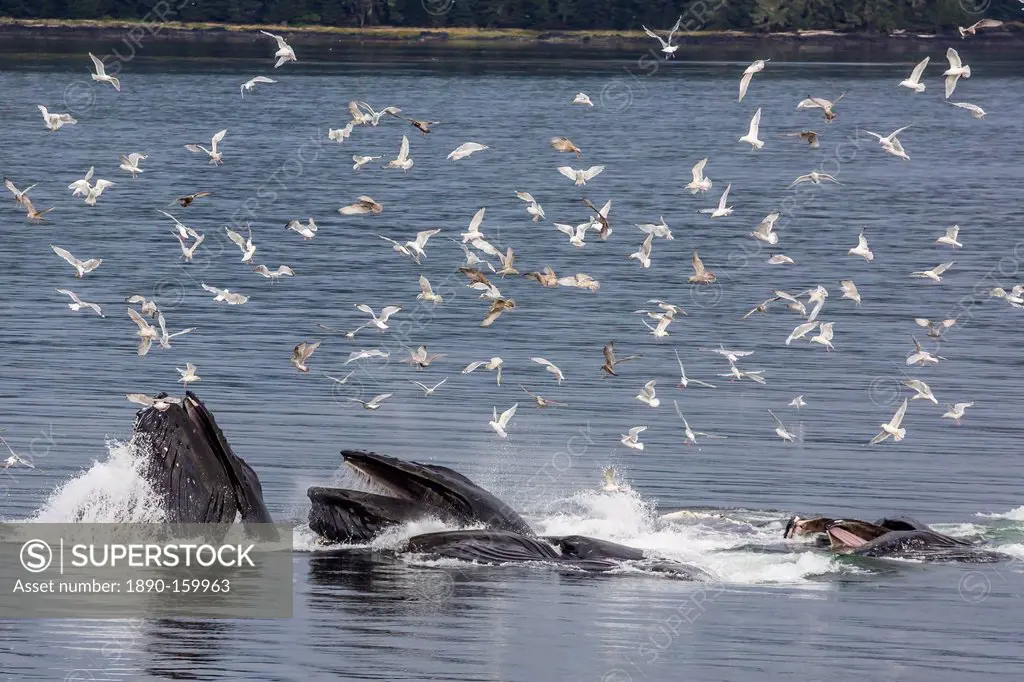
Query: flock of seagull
(484, 260)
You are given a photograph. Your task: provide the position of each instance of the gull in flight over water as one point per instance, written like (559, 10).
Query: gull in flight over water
(800, 331)
(188, 375)
(101, 74)
(427, 293)
(366, 204)
(55, 121)
(361, 161)
(956, 412)
(244, 243)
(301, 353)
(495, 363)
(337, 380)
(666, 44)
(307, 231)
(862, 248)
(500, 423)
(691, 435)
(581, 176)
(363, 113)
(849, 290)
(815, 177)
(464, 150)
(284, 51)
(643, 254)
(950, 237)
(935, 273)
(973, 28)
(610, 361)
(748, 73)
(564, 144)
(780, 429)
(824, 336)
(630, 440)
(647, 396)
(956, 69)
(215, 155)
(755, 127)
(914, 81)
(420, 358)
(701, 275)
(77, 303)
(185, 201)
(160, 402)
(148, 307)
(366, 355)
(533, 208)
(225, 295)
(699, 183)
(823, 104)
(976, 111)
(935, 329)
(890, 144)
(922, 390)
(611, 483)
(429, 390)
(550, 366)
(14, 458)
(659, 229)
(892, 428)
(20, 195)
(146, 332)
(921, 356)
(274, 275)
(401, 161)
(81, 267)
(379, 321)
(582, 98)
(541, 400)
(797, 402)
(721, 210)
(130, 163)
(373, 403)
(684, 381)
(599, 221)
(765, 229)
(250, 84)
(339, 135)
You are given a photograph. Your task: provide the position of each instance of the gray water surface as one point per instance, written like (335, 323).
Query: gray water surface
(777, 612)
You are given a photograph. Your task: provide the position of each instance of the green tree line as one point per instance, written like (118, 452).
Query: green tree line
(747, 15)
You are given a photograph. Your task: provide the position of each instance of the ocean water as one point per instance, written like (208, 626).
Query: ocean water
(774, 610)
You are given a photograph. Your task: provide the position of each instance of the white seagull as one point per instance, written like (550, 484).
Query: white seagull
(427, 293)
(892, 428)
(379, 321)
(284, 52)
(684, 381)
(464, 150)
(780, 429)
(666, 45)
(214, 153)
(950, 237)
(824, 336)
(849, 290)
(499, 423)
(581, 176)
(244, 243)
(77, 303)
(722, 210)
(956, 69)
(751, 136)
(956, 412)
(582, 98)
(862, 248)
(101, 75)
(307, 231)
(699, 183)
(647, 396)
(922, 390)
(550, 366)
(797, 402)
(976, 111)
(495, 363)
(935, 274)
(800, 331)
(251, 83)
(374, 402)
(429, 390)
(361, 161)
(188, 375)
(748, 73)
(55, 121)
(533, 208)
(225, 295)
(914, 81)
(401, 161)
(81, 267)
(130, 163)
(630, 439)
(643, 254)
(922, 357)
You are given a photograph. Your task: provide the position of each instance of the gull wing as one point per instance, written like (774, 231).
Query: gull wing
(217, 139)
(636, 431)
(567, 172)
(98, 64)
(745, 83)
(941, 268)
(238, 239)
(698, 170)
(915, 75)
(953, 57)
(507, 415)
(66, 255)
(698, 265)
(897, 418)
(675, 27)
(755, 124)
(725, 196)
(403, 151)
(592, 172)
(778, 422)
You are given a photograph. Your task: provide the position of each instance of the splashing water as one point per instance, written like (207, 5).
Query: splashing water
(112, 491)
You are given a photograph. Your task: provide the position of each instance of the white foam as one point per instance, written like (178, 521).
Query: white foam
(1015, 550)
(1012, 515)
(111, 491)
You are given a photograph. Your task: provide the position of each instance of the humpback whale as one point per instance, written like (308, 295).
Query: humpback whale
(412, 491)
(192, 467)
(895, 538)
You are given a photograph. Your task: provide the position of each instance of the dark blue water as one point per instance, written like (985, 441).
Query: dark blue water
(365, 615)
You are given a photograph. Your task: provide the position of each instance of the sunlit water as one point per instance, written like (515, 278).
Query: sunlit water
(775, 611)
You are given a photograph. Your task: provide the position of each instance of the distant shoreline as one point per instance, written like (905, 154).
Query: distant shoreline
(1010, 34)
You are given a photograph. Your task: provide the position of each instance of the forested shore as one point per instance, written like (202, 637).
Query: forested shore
(750, 16)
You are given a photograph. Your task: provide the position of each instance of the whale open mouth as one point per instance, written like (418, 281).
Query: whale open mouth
(840, 538)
